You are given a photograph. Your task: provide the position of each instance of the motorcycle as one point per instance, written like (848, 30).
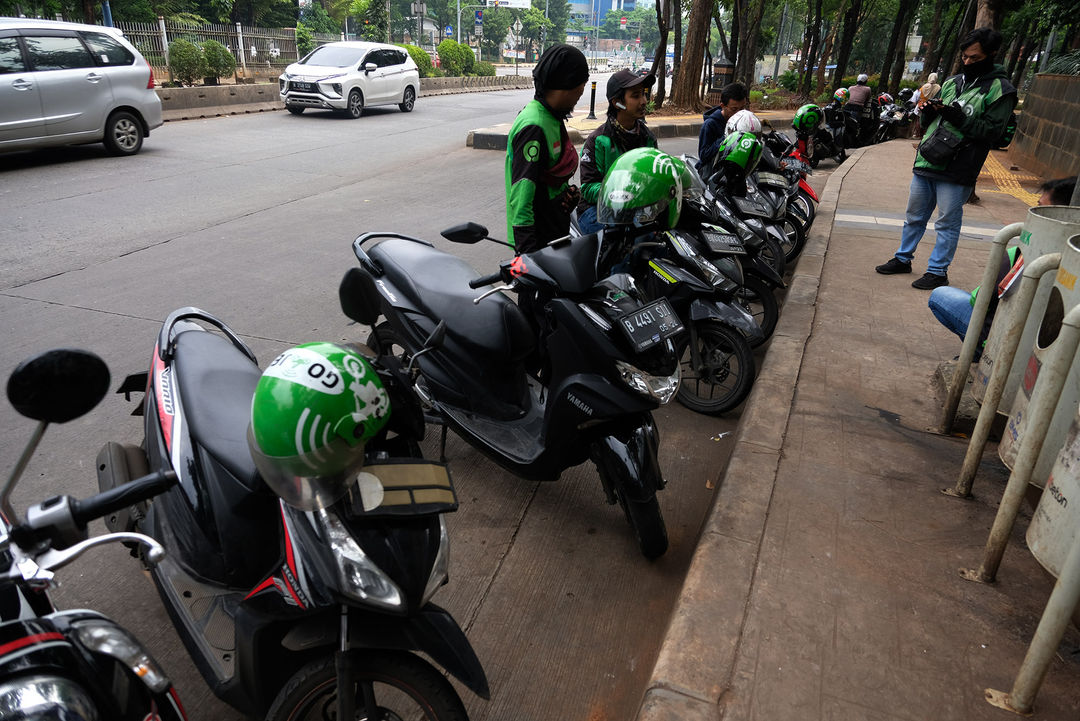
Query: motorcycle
(830, 139)
(791, 160)
(281, 605)
(75, 664)
(570, 373)
(893, 122)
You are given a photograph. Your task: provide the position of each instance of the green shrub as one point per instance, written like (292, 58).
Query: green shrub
(422, 60)
(484, 69)
(457, 59)
(219, 61)
(756, 97)
(186, 62)
(788, 80)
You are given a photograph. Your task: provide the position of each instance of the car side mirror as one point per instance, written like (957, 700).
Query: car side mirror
(370, 67)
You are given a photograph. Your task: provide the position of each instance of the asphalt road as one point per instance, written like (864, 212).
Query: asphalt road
(251, 218)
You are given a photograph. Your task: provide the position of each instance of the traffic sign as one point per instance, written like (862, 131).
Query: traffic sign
(449, 29)
(478, 30)
(517, 27)
(479, 16)
(622, 21)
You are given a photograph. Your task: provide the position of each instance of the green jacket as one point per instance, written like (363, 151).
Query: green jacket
(988, 103)
(603, 146)
(540, 161)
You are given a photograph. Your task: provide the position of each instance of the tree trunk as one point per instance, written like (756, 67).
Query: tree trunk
(684, 92)
(901, 52)
(894, 41)
(934, 60)
(965, 27)
(827, 48)
(1017, 44)
(988, 14)
(723, 36)
(1030, 43)
(935, 37)
(847, 41)
(813, 41)
(676, 18)
(663, 22)
(748, 31)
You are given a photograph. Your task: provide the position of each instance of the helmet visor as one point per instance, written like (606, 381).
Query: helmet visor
(295, 481)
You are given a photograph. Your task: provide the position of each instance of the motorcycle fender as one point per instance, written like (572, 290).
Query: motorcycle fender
(796, 210)
(803, 185)
(628, 461)
(762, 269)
(728, 314)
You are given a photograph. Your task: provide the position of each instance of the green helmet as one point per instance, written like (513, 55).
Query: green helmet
(643, 185)
(313, 409)
(740, 151)
(807, 118)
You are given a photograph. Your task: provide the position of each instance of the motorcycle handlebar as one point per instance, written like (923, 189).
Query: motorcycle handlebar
(121, 497)
(485, 280)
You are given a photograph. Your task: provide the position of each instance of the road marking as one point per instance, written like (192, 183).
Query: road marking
(1007, 182)
(892, 221)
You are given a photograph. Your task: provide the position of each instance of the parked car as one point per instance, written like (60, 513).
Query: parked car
(348, 76)
(68, 84)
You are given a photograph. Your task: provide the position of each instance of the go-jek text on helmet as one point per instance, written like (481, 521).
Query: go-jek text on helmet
(642, 186)
(313, 409)
(842, 95)
(807, 118)
(884, 99)
(743, 121)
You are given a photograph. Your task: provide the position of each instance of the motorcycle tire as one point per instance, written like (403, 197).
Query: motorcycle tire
(796, 238)
(726, 372)
(809, 207)
(773, 254)
(647, 523)
(757, 298)
(412, 685)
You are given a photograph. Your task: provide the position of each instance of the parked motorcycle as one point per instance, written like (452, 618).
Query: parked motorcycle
(832, 137)
(285, 588)
(75, 664)
(894, 121)
(569, 374)
(793, 163)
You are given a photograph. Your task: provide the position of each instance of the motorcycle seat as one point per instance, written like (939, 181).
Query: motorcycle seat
(216, 383)
(438, 284)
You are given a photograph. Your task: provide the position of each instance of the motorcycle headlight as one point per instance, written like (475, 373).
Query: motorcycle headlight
(441, 570)
(111, 640)
(45, 697)
(358, 576)
(662, 388)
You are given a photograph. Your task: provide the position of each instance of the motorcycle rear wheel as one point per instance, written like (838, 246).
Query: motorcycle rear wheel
(757, 298)
(404, 687)
(773, 254)
(725, 373)
(809, 207)
(796, 238)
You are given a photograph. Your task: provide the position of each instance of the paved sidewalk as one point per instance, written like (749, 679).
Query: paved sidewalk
(825, 584)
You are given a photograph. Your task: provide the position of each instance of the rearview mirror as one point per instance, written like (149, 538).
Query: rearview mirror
(370, 67)
(467, 233)
(58, 385)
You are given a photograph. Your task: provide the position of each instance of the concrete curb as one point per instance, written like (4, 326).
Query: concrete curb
(696, 662)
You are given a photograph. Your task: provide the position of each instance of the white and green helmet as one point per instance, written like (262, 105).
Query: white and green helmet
(643, 185)
(313, 409)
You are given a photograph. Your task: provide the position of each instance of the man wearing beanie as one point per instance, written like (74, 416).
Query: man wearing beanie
(540, 159)
(624, 129)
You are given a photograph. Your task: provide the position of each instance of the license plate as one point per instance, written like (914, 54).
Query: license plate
(648, 326)
(724, 243)
(302, 87)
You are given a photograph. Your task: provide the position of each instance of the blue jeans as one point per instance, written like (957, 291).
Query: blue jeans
(587, 221)
(923, 196)
(952, 307)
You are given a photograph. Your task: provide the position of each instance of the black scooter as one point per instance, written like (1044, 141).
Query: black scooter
(281, 608)
(569, 375)
(75, 664)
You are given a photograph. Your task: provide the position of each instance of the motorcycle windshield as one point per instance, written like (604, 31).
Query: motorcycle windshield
(297, 480)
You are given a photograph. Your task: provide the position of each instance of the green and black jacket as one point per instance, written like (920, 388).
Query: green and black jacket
(988, 102)
(603, 146)
(540, 161)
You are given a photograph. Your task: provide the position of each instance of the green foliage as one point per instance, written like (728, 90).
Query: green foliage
(497, 24)
(484, 69)
(756, 96)
(1067, 64)
(788, 80)
(219, 62)
(305, 43)
(422, 60)
(315, 18)
(372, 19)
(186, 61)
(457, 59)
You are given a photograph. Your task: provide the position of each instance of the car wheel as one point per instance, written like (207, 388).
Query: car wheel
(355, 107)
(123, 133)
(295, 109)
(408, 100)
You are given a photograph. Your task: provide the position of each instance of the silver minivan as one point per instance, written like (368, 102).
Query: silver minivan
(66, 84)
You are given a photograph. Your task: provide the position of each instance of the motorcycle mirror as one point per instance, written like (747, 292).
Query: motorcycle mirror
(359, 298)
(468, 233)
(58, 385)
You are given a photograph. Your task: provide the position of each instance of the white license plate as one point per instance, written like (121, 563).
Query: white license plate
(645, 327)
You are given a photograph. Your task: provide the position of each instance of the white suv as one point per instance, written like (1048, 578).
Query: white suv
(347, 76)
(67, 84)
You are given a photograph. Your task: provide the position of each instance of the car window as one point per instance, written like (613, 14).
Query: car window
(107, 51)
(11, 60)
(377, 57)
(57, 53)
(394, 57)
(334, 57)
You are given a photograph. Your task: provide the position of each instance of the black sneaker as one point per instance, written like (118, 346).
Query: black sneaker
(893, 266)
(929, 281)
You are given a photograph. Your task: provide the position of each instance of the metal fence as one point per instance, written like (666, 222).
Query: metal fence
(261, 53)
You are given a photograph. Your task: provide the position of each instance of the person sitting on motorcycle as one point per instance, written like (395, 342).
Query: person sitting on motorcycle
(858, 94)
(540, 158)
(624, 129)
(733, 98)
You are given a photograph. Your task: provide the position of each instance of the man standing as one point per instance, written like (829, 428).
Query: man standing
(540, 159)
(732, 100)
(960, 128)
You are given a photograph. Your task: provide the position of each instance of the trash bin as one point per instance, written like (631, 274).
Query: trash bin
(1062, 296)
(1045, 231)
(1057, 517)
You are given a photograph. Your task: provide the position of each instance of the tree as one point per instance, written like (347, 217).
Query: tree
(497, 22)
(896, 41)
(685, 92)
(749, 12)
(533, 27)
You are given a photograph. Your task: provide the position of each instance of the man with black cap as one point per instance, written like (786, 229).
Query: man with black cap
(540, 159)
(624, 129)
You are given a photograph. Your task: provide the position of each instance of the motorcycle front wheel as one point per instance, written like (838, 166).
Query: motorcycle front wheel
(717, 368)
(388, 686)
(796, 237)
(809, 207)
(756, 297)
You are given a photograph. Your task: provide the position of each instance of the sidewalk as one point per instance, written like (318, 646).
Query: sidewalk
(825, 584)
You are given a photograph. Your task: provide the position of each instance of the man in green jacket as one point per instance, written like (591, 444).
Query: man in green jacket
(971, 115)
(540, 159)
(624, 129)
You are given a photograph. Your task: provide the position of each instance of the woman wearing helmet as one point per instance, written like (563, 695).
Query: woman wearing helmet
(624, 130)
(314, 408)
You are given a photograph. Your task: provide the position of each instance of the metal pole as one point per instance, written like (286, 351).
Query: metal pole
(240, 43)
(592, 103)
(1013, 329)
(1044, 402)
(106, 14)
(165, 46)
(975, 325)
